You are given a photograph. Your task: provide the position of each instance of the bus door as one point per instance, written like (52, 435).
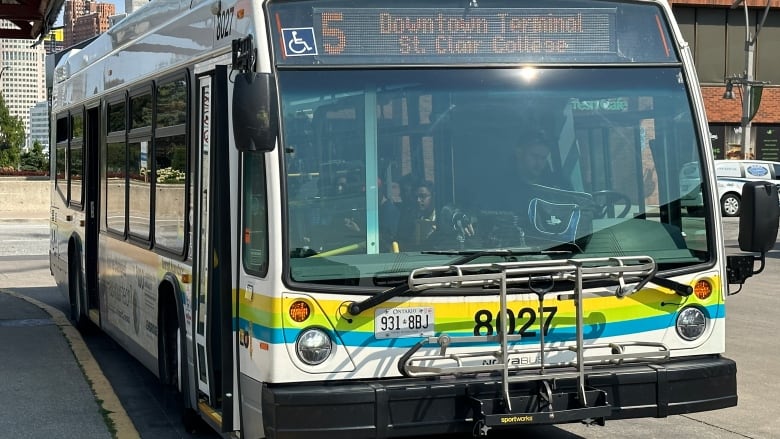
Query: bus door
(91, 206)
(213, 341)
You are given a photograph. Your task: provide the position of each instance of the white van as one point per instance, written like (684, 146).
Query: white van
(732, 175)
(690, 189)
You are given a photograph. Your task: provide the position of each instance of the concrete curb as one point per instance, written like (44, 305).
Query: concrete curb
(94, 375)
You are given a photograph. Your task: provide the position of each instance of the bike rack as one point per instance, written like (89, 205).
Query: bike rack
(631, 273)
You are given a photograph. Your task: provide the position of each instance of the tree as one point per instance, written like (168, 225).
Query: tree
(11, 137)
(35, 159)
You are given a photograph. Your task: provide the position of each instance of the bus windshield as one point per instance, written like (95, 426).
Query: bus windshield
(388, 170)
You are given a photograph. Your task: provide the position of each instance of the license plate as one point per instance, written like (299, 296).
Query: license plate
(403, 322)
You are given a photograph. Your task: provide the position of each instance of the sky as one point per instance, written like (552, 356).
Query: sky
(120, 5)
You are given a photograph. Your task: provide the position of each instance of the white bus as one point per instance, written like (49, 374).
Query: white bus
(315, 217)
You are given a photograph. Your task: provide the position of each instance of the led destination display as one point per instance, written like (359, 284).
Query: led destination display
(477, 32)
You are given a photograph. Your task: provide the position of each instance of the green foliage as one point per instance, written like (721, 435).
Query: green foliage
(11, 137)
(34, 160)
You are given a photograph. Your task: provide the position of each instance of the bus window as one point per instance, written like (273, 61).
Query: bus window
(255, 237)
(76, 158)
(170, 165)
(139, 192)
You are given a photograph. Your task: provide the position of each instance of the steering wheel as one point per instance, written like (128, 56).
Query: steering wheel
(607, 201)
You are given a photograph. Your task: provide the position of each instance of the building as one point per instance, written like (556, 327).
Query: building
(716, 33)
(85, 19)
(22, 76)
(39, 126)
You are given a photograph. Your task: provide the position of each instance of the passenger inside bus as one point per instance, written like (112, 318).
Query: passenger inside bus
(425, 225)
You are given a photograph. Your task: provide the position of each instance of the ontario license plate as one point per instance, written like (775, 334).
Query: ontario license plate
(403, 322)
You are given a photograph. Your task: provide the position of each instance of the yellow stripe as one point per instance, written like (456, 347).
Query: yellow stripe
(332, 311)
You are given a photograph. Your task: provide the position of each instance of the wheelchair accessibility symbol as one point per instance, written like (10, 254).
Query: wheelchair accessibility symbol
(299, 41)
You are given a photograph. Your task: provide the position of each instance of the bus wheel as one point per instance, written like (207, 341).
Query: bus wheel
(75, 293)
(172, 362)
(170, 350)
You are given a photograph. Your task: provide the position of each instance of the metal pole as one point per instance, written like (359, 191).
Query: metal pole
(747, 148)
(747, 77)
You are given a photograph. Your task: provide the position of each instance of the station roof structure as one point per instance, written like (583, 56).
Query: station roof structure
(30, 19)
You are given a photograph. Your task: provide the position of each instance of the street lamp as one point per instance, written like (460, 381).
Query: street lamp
(750, 90)
(729, 94)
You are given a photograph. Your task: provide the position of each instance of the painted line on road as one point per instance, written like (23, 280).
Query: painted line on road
(100, 386)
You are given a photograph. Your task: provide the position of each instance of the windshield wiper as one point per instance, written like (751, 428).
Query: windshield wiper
(356, 308)
(681, 289)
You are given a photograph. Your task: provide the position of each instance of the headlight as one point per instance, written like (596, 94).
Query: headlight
(313, 346)
(691, 323)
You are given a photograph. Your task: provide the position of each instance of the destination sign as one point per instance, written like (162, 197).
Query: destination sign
(427, 33)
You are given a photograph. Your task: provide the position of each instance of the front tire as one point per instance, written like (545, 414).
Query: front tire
(172, 362)
(170, 351)
(730, 205)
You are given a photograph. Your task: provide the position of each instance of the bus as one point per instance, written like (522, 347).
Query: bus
(316, 217)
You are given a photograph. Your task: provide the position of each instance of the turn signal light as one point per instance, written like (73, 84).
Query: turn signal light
(299, 311)
(702, 289)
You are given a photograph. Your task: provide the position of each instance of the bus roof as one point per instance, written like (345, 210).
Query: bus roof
(160, 36)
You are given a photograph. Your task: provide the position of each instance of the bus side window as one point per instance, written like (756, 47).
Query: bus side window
(255, 240)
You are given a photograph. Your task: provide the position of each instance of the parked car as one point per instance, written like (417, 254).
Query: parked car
(733, 174)
(690, 189)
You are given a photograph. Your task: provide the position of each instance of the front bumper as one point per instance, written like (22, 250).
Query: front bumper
(404, 407)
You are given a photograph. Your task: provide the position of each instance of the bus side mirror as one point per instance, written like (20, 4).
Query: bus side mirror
(255, 126)
(758, 222)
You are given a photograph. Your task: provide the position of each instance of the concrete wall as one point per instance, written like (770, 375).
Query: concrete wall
(24, 197)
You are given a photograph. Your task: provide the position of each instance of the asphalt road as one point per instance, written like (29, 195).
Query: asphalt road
(752, 341)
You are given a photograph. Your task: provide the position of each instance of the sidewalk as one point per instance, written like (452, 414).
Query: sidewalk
(51, 384)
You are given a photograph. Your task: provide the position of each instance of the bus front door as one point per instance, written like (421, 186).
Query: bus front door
(213, 342)
(92, 205)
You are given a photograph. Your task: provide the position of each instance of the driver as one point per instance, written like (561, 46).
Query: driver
(532, 156)
(549, 211)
